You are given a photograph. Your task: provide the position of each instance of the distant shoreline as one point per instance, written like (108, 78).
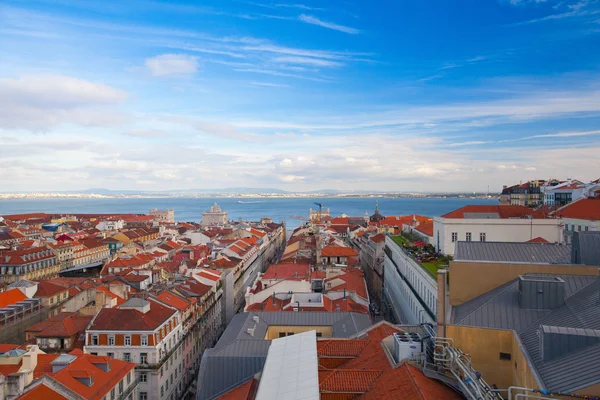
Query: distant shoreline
(13, 196)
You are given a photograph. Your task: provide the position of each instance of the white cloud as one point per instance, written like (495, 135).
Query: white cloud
(172, 64)
(146, 133)
(39, 102)
(329, 25)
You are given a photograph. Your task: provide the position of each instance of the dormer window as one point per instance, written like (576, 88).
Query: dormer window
(94, 340)
(144, 340)
(127, 340)
(111, 340)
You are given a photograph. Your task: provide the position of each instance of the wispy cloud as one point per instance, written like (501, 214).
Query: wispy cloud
(553, 135)
(430, 78)
(329, 25)
(285, 74)
(269, 84)
(296, 6)
(576, 12)
(317, 62)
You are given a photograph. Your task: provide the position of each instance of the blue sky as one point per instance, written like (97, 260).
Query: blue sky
(391, 95)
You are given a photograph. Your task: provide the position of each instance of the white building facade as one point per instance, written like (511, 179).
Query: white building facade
(409, 291)
(447, 231)
(157, 351)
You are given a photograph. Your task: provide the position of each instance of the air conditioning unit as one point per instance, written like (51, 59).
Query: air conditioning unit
(407, 346)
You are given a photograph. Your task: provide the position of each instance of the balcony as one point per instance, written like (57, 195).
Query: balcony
(129, 390)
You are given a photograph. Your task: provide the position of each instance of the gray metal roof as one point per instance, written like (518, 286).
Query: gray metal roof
(499, 309)
(586, 248)
(539, 253)
(239, 355)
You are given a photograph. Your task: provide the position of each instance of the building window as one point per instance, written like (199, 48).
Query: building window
(143, 377)
(51, 300)
(144, 340)
(120, 387)
(454, 236)
(468, 236)
(143, 396)
(111, 355)
(290, 333)
(128, 340)
(579, 228)
(111, 340)
(505, 356)
(129, 378)
(94, 340)
(319, 334)
(482, 237)
(162, 391)
(112, 394)
(587, 228)
(127, 356)
(143, 358)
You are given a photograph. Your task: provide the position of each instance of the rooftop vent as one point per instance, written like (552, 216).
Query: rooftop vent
(541, 292)
(136, 303)
(407, 346)
(556, 341)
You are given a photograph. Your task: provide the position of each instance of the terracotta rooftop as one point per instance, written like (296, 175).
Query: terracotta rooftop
(367, 374)
(338, 251)
(174, 300)
(245, 391)
(503, 211)
(425, 228)
(11, 296)
(288, 271)
(42, 391)
(65, 324)
(48, 289)
(538, 240)
(585, 209)
(116, 319)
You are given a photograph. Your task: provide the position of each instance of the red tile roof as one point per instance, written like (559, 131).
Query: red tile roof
(347, 381)
(369, 375)
(25, 256)
(4, 347)
(538, 240)
(245, 391)
(116, 319)
(288, 271)
(337, 251)
(585, 209)
(42, 391)
(174, 300)
(380, 237)
(11, 296)
(354, 280)
(65, 324)
(503, 211)
(85, 366)
(426, 228)
(48, 289)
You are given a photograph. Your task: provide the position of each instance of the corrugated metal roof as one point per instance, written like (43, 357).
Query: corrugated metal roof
(500, 309)
(586, 248)
(238, 355)
(539, 253)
